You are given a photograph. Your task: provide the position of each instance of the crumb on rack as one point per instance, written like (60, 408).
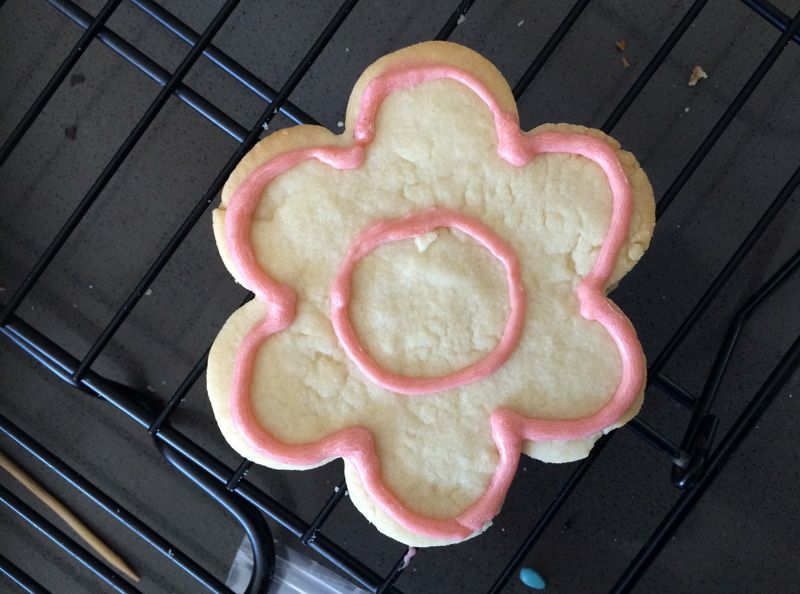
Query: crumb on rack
(697, 74)
(461, 19)
(625, 63)
(621, 45)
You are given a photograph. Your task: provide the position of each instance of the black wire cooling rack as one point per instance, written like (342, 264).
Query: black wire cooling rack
(695, 459)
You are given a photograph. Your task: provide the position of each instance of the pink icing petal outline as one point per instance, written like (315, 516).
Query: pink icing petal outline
(509, 429)
(412, 225)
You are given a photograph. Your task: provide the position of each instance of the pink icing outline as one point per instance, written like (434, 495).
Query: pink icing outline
(509, 429)
(406, 227)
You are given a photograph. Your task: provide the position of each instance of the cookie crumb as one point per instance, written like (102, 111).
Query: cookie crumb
(625, 63)
(461, 19)
(340, 124)
(697, 74)
(424, 241)
(265, 125)
(70, 132)
(148, 292)
(621, 45)
(519, 24)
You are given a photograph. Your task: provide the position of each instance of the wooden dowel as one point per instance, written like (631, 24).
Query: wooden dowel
(79, 527)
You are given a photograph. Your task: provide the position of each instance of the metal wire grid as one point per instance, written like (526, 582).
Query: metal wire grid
(695, 465)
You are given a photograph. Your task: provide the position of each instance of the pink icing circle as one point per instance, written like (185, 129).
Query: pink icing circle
(413, 225)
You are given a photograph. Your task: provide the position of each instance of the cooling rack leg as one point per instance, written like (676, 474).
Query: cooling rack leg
(698, 427)
(253, 522)
(749, 417)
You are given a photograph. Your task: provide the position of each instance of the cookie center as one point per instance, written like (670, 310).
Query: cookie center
(430, 305)
(428, 301)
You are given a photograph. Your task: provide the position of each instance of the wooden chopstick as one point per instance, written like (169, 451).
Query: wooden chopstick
(98, 545)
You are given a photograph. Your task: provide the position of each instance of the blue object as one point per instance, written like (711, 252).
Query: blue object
(531, 578)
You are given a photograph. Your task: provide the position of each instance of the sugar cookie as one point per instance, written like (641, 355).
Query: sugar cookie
(430, 294)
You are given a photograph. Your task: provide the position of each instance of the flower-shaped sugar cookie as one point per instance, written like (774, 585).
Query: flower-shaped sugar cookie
(430, 294)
